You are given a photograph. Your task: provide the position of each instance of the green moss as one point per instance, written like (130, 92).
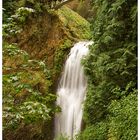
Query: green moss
(60, 56)
(78, 26)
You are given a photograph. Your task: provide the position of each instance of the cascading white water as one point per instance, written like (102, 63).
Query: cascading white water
(71, 92)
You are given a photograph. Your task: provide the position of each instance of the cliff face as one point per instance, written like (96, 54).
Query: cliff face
(49, 36)
(45, 39)
(44, 34)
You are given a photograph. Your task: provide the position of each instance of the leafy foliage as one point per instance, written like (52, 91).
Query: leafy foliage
(120, 123)
(13, 24)
(111, 68)
(123, 118)
(26, 95)
(98, 132)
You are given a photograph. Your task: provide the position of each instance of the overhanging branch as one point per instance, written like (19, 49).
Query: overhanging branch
(61, 4)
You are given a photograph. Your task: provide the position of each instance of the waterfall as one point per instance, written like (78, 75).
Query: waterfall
(71, 92)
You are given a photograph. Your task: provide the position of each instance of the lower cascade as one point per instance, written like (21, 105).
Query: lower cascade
(71, 92)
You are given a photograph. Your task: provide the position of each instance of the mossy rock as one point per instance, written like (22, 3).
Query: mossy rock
(43, 34)
(74, 23)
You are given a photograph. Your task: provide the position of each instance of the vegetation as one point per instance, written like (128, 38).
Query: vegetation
(83, 8)
(26, 95)
(60, 56)
(78, 26)
(111, 68)
(29, 81)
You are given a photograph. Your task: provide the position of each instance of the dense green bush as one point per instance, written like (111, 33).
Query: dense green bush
(123, 118)
(97, 131)
(121, 121)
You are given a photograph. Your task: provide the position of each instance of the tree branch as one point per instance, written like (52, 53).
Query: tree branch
(61, 4)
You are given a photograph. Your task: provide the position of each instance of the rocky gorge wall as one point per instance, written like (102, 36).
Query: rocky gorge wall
(49, 36)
